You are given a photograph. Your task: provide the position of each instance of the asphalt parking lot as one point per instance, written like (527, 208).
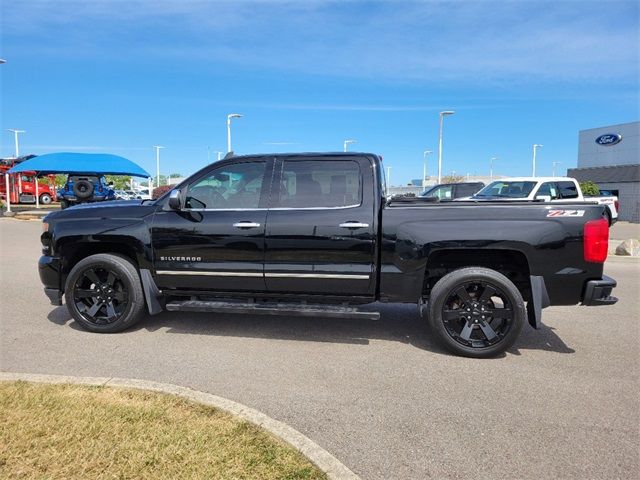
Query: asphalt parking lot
(380, 396)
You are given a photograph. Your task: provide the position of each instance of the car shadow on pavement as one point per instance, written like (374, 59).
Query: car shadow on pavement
(398, 323)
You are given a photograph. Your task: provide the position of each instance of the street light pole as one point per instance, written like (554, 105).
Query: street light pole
(388, 177)
(229, 117)
(425, 154)
(491, 170)
(15, 137)
(346, 144)
(442, 115)
(535, 146)
(158, 147)
(554, 168)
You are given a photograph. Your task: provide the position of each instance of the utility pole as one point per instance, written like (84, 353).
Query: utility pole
(554, 168)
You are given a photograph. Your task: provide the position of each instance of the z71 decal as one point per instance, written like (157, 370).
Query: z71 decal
(565, 213)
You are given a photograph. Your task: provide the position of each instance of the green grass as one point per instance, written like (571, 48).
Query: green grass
(80, 432)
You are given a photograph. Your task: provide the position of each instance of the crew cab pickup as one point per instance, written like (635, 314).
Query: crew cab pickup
(313, 234)
(548, 189)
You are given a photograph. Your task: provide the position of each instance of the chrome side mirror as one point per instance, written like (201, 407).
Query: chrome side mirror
(175, 202)
(543, 198)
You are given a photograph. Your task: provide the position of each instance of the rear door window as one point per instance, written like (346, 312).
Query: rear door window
(568, 190)
(444, 192)
(548, 189)
(320, 184)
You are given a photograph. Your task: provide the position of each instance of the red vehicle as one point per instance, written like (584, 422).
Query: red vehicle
(22, 187)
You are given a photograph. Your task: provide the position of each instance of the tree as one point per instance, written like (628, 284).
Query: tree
(452, 178)
(61, 180)
(589, 188)
(120, 182)
(161, 190)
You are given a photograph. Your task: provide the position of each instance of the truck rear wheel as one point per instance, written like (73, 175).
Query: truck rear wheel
(476, 312)
(104, 294)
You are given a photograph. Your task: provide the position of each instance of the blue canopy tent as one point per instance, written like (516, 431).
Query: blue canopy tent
(98, 163)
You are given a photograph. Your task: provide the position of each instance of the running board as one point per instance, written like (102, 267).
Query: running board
(307, 310)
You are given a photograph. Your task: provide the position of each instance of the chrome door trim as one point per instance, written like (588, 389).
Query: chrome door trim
(317, 275)
(260, 274)
(209, 274)
(316, 208)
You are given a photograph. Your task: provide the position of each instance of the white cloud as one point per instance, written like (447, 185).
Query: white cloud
(432, 42)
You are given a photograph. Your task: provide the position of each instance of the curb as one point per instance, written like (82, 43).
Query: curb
(326, 462)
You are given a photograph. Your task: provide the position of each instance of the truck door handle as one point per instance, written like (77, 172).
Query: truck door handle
(246, 225)
(353, 225)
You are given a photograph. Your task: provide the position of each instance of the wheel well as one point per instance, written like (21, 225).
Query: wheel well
(72, 254)
(512, 264)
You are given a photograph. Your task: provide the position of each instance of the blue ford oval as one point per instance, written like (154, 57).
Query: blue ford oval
(608, 139)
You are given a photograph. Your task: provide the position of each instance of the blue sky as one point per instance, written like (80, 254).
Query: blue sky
(120, 76)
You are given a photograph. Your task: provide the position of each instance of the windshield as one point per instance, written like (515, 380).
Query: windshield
(500, 189)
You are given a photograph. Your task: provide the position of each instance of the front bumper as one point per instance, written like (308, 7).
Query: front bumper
(49, 270)
(598, 292)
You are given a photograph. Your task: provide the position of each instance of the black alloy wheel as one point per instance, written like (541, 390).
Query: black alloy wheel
(476, 312)
(100, 295)
(104, 294)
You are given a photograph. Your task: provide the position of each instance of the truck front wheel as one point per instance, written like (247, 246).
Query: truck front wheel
(45, 199)
(476, 312)
(104, 294)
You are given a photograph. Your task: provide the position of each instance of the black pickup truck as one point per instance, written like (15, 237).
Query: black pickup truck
(314, 234)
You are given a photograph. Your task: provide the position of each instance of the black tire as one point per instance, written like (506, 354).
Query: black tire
(45, 199)
(63, 204)
(104, 294)
(83, 189)
(464, 313)
(607, 214)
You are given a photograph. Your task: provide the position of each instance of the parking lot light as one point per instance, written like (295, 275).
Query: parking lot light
(158, 147)
(15, 136)
(425, 154)
(229, 117)
(535, 147)
(442, 115)
(493, 159)
(346, 144)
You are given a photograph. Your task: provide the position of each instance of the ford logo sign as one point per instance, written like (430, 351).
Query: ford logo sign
(609, 139)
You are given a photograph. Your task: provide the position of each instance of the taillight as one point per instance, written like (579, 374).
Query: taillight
(617, 205)
(596, 240)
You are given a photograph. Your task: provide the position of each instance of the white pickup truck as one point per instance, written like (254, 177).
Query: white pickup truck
(547, 189)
